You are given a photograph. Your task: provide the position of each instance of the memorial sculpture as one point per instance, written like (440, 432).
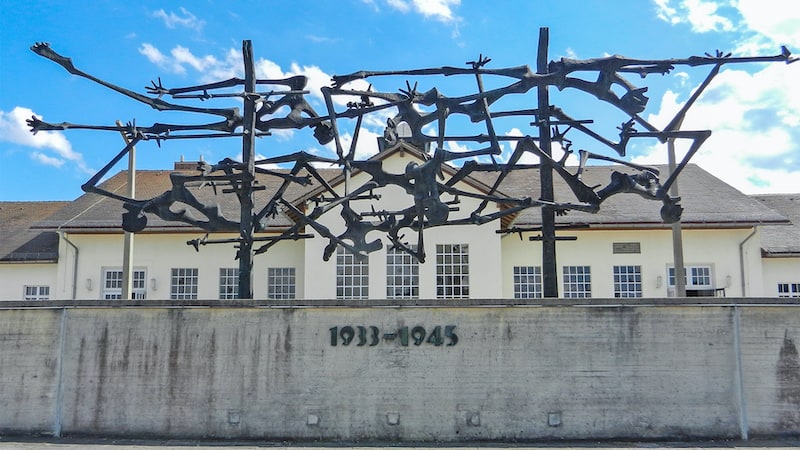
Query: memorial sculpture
(413, 112)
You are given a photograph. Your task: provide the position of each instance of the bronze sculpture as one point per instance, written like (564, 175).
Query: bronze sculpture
(423, 183)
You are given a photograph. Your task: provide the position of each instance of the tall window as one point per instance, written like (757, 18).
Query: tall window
(698, 281)
(402, 274)
(37, 293)
(452, 271)
(228, 283)
(577, 282)
(183, 284)
(788, 289)
(527, 282)
(352, 276)
(112, 284)
(627, 281)
(281, 283)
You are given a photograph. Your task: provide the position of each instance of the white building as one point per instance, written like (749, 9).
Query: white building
(734, 245)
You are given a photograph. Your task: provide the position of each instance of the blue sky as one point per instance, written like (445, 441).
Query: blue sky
(753, 109)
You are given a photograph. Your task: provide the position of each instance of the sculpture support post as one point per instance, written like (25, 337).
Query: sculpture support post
(549, 274)
(248, 175)
(677, 235)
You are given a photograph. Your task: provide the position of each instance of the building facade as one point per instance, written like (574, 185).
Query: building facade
(733, 244)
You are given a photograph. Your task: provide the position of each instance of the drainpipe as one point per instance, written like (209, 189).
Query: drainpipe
(63, 235)
(741, 258)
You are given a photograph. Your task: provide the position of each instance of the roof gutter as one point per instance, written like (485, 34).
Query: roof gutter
(741, 258)
(63, 235)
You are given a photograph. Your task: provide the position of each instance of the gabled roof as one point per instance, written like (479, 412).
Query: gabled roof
(401, 148)
(776, 240)
(19, 241)
(97, 213)
(708, 202)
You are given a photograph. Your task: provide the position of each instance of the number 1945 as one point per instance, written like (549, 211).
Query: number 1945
(371, 336)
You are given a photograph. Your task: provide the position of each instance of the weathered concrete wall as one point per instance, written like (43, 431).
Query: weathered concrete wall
(502, 373)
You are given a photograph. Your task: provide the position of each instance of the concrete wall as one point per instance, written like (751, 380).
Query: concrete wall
(514, 373)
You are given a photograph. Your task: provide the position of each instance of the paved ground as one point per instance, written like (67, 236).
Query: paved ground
(108, 444)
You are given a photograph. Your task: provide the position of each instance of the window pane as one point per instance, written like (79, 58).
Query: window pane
(352, 275)
(452, 261)
(577, 281)
(183, 284)
(281, 283)
(402, 274)
(627, 281)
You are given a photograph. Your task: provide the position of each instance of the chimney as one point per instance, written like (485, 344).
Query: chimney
(186, 166)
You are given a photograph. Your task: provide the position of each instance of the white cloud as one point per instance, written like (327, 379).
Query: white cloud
(439, 10)
(774, 23)
(702, 15)
(753, 118)
(14, 129)
(365, 147)
(152, 54)
(186, 20)
(46, 160)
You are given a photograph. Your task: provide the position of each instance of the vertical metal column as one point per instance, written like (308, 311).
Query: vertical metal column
(549, 273)
(127, 252)
(677, 235)
(248, 175)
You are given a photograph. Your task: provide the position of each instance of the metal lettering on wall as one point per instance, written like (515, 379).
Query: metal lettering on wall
(371, 336)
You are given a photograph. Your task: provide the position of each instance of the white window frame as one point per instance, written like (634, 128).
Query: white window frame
(788, 290)
(183, 283)
(627, 281)
(36, 292)
(528, 282)
(228, 283)
(402, 274)
(281, 283)
(699, 277)
(452, 271)
(352, 276)
(577, 281)
(111, 283)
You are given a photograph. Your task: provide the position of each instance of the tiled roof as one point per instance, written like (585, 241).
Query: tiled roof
(707, 201)
(777, 240)
(19, 242)
(93, 212)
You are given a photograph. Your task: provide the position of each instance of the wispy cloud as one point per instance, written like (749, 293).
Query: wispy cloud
(702, 15)
(754, 115)
(14, 129)
(439, 10)
(185, 20)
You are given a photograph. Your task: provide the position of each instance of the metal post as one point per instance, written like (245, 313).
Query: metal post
(677, 235)
(549, 273)
(248, 175)
(127, 251)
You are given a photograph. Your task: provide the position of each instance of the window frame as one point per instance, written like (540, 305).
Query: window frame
(789, 290)
(228, 283)
(452, 271)
(624, 287)
(527, 282)
(577, 281)
(184, 274)
(403, 267)
(352, 275)
(114, 292)
(39, 295)
(281, 283)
